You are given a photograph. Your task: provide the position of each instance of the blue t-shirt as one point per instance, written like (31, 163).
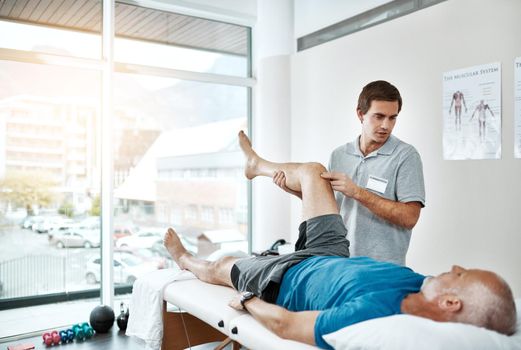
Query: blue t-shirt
(346, 290)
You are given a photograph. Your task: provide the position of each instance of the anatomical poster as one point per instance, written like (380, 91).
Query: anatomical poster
(472, 112)
(517, 107)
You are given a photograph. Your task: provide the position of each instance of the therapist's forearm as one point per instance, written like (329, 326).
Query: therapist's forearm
(402, 214)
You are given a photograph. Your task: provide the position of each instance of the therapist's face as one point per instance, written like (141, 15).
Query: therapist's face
(378, 123)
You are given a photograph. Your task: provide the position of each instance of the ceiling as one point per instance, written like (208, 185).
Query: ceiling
(131, 22)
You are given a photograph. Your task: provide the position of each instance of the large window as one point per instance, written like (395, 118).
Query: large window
(177, 159)
(181, 91)
(49, 168)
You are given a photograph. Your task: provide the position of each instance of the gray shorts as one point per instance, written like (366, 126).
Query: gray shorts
(318, 236)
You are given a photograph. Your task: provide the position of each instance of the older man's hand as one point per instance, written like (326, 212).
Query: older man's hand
(236, 302)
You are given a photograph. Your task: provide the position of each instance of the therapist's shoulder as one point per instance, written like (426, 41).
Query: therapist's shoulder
(340, 158)
(343, 149)
(340, 149)
(405, 150)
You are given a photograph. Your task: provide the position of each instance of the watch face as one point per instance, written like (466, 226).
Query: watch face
(247, 295)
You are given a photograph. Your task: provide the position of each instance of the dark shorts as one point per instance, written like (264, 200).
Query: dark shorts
(318, 236)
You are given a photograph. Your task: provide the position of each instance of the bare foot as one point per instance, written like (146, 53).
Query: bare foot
(252, 159)
(175, 247)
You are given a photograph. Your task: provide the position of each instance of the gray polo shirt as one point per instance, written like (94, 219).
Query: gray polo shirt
(394, 171)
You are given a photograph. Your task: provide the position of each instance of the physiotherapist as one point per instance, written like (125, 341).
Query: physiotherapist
(377, 178)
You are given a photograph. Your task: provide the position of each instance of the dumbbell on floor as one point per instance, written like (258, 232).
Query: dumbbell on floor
(79, 333)
(70, 334)
(87, 330)
(52, 338)
(67, 335)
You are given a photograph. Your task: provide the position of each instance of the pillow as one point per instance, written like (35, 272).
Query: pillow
(402, 332)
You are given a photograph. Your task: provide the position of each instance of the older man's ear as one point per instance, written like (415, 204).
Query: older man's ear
(450, 303)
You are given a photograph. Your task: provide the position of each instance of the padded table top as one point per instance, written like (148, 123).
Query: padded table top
(209, 303)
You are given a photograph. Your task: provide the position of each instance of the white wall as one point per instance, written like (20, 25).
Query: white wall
(473, 216)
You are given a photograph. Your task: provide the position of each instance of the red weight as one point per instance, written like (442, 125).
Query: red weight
(47, 339)
(55, 337)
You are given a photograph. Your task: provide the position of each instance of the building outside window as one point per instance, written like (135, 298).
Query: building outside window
(207, 215)
(226, 216)
(191, 212)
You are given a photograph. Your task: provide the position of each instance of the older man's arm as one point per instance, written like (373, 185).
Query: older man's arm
(299, 326)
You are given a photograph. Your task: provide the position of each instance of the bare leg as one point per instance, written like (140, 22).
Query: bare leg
(317, 194)
(317, 199)
(215, 272)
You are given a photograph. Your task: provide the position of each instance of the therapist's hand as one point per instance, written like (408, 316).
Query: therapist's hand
(342, 183)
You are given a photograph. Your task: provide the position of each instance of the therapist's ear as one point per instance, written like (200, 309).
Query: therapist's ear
(360, 115)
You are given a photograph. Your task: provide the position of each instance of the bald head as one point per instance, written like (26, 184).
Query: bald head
(472, 296)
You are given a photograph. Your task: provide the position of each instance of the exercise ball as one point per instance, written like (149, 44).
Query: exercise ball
(102, 318)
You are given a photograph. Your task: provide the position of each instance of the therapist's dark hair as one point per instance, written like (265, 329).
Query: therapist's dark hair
(379, 90)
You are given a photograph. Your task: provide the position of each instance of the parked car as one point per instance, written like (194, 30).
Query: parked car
(123, 231)
(52, 223)
(91, 222)
(146, 254)
(127, 268)
(75, 237)
(94, 222)
(145, 238)
(29, 221)
(159, 248)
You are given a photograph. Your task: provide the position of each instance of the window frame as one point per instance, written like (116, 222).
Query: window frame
(106, 66)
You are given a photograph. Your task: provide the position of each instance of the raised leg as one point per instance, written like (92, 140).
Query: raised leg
(317, 194)
(317, 199)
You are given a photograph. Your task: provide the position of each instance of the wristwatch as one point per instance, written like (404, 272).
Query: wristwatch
(245, 296)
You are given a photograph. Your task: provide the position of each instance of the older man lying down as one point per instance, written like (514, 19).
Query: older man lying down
(318, 289)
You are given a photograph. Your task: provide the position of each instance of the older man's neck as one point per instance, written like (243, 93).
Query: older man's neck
(415, 304)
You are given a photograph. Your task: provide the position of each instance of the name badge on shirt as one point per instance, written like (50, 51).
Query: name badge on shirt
(376, 184)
